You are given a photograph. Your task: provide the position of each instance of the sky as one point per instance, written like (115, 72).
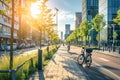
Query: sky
(66, 13)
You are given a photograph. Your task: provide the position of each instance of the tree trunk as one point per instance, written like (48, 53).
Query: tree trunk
(12, 36)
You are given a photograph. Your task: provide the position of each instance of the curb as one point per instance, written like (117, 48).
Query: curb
(113, 54)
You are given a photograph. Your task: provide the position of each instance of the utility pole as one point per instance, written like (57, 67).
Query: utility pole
(12, 36)
(56, 18)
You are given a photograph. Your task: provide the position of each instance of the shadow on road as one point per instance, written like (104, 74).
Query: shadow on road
(95, 73)
(39, 76)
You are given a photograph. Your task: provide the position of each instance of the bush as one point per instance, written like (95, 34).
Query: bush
(29, 67)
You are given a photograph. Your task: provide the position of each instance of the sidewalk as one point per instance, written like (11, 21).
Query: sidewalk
(114, 54)
(61, 67)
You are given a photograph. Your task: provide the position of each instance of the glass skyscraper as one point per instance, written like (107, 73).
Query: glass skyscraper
(78, 19)
(109, 9)
(89, 9)
(67, 30)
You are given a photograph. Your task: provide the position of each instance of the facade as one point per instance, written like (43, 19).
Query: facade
(109, 9)
(78, 19)
(5, 24)
(67, 30)
(89, 9)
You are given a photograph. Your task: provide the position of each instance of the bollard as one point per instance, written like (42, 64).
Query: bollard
(31, 62)
(109, 49)
(119, 50)
(13, 74)
(113, 48)
(103, 47)
(39, 59)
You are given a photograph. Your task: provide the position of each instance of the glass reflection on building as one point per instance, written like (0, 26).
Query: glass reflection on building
(109, 9)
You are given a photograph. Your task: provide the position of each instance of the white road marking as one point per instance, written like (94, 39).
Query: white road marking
(110, 73)
(104, 59)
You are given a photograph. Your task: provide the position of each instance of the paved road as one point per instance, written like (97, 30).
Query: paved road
(104, 67)
(108, 62)
(15, 52)
(61, 67)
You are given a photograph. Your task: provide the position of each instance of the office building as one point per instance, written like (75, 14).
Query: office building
(5, 24)
(89, 11)
(67, 30)
(78, 19)
(109, 9)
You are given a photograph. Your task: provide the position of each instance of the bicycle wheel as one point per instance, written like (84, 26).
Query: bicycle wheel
(89, 61)
(80, 59)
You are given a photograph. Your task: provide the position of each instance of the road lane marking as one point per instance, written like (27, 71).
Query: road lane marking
(101, 68)
(104, 59)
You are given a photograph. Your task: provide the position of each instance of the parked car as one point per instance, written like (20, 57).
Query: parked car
(27, 45)
(7, 46)
(32, 45)
(21, 46)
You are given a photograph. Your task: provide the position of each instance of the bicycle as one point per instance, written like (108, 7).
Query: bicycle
(85, 58)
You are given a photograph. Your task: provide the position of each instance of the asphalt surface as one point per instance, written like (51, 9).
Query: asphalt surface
(19, 51)
(104, 67)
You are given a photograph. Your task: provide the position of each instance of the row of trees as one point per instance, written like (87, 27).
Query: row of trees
(44, 21)
(83, 31)
(42, 25)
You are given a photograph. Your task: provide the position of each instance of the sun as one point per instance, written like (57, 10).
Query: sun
(34, 9)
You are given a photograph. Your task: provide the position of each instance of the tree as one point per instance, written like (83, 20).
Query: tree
(115, 35)
(85, 29)
(117, 19)
(99, 23)
(44, 20)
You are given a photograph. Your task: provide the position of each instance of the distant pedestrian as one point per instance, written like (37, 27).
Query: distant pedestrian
(68, 46)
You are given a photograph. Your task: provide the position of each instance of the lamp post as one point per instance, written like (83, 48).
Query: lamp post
(113, 25)
(57, 17)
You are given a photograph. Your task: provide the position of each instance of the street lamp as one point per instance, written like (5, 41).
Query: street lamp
(57, 17)
(113, 25)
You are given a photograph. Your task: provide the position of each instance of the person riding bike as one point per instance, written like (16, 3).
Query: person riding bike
(68, 46)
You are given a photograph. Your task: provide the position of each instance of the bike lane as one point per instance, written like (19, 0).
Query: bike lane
(62, 66)
(104, 67)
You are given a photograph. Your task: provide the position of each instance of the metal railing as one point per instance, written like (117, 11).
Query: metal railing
(18, 67)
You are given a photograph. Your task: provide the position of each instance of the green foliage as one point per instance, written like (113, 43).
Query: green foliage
(117, 19)
(98, 22)
(29, 67)
(81, 32)
(115, 35)
(97, 38)
(85, 28)
(2, 12)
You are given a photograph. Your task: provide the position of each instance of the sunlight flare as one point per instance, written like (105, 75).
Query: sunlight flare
(35, 9)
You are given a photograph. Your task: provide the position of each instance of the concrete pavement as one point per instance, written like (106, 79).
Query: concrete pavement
(61, 67)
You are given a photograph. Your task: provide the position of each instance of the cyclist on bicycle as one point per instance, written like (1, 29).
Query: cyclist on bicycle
(68, 46)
